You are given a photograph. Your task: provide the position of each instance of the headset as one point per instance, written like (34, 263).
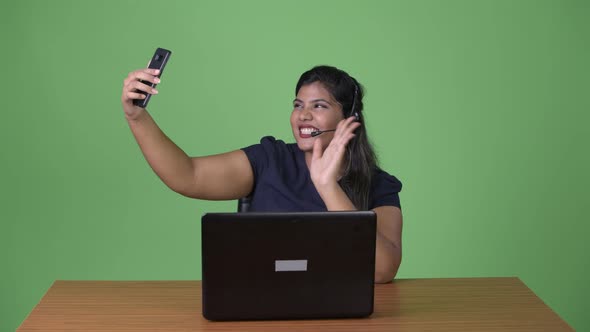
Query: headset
(353, 112)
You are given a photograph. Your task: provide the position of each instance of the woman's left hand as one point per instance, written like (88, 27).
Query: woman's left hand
(326, 165)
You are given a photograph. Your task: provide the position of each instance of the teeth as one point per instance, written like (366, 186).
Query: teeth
(307, 131)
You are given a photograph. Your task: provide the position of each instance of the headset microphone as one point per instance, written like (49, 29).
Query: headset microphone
(352, 111)
(319, 132)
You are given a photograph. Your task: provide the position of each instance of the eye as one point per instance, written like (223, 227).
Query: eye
(297, 105)
(320, 106)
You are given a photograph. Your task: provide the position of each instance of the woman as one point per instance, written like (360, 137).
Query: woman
(332, 169)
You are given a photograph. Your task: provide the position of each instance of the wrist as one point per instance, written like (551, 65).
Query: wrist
(135, 115)
(334, 197)
(326, 186)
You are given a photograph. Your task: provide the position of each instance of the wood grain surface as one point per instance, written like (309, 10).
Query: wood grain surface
(462, 304)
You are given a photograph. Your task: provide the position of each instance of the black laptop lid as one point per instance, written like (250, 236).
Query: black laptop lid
(288, 265)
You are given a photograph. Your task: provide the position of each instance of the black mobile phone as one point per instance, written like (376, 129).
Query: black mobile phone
(158, 61)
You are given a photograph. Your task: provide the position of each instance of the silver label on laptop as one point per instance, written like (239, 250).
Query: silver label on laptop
(291, 265)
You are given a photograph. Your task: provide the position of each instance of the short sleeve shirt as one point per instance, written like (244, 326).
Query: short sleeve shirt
(282, 181)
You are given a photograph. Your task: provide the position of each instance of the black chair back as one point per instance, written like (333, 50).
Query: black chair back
(244, 204)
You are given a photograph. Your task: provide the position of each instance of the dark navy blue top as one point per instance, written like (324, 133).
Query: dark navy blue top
(282, 181)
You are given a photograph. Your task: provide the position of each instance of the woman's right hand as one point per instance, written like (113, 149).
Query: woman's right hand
(131, 86)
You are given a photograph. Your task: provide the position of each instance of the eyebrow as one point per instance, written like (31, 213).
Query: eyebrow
(313, 101)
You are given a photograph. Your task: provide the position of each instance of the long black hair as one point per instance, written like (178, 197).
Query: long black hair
(360, 158)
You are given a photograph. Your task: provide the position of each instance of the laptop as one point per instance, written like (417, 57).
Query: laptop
(276, 265)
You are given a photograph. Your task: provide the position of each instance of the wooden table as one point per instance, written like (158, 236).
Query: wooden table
(464, 304)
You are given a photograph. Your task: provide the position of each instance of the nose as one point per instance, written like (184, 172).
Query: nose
(305, 114)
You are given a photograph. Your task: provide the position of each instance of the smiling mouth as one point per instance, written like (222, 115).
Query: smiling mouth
(307, 130)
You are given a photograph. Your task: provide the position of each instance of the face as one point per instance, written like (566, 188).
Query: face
(314, 109)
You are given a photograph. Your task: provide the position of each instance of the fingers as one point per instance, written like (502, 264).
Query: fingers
(139, 86)
(326, 164)
(136, 82)
(345, 131)
(147, 74)
(134, 95)
(349, 124)
(317, 150)
(132, 91)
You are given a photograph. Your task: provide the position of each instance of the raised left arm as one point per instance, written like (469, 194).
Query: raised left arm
(324, 169)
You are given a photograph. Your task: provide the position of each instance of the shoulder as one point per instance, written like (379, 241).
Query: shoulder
(385, 189)
(383, 179)
(270, 151)
(267, 145)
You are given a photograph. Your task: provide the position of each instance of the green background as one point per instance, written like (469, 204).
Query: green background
(479, 107)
